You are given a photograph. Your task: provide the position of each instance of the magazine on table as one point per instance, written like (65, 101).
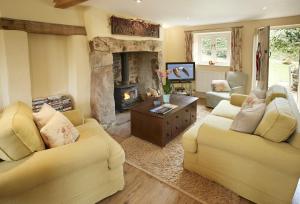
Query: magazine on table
(163, 109)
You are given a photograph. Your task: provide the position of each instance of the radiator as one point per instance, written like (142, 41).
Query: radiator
(204, 78)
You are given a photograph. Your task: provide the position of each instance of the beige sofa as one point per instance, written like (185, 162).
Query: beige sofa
(83, 172)
(252, 166)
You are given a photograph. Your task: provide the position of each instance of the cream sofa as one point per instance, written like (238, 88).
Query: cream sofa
(255, 168)
(83, 172)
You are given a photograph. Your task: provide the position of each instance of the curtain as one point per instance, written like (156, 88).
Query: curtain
(262, 58)
(236, 49)
(189, 46)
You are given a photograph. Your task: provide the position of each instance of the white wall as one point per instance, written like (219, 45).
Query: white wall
(4, 96)
(48, 65)
(15, 68)
(79, 72)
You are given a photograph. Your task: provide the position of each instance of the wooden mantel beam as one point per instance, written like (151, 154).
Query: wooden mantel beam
(41, 27)
(66, 3)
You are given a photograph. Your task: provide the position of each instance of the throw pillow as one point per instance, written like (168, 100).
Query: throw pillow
(278, 122)
(251, 100)
(248, 118)
(275, 91)
(220, 86)
(44, 115)
(261, 94)
(59, 131)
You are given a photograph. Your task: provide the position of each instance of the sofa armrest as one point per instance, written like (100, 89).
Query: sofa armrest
(237, 99)
(44, 166)
(189, 138)
(75, 116)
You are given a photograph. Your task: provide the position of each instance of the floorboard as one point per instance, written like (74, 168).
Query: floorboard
(142, 188)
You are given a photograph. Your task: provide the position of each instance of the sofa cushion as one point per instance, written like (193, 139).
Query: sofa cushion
(59, 131)
(252, 100)
(19, 136)
(189, 138)
(75, 116)
(274, 92)
(220, 86)
(281, 156)
(44, 115)
(278, 122)
(226, 109)
(248, 118)
(294, 140)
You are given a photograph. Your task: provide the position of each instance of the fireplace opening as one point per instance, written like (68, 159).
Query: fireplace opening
(134, 71)
(125, 93)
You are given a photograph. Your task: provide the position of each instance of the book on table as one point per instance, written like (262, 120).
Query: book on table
(163, 109)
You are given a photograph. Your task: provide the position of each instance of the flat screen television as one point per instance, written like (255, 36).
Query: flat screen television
(181, 71)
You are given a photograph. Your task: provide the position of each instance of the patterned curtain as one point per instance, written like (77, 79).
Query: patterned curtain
(236, 49)
(189, 46)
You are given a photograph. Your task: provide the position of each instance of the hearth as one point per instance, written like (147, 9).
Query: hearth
(126, 96)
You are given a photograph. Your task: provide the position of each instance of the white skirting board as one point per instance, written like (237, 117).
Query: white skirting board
(204, 78)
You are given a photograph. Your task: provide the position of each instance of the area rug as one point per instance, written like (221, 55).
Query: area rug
(165, 164)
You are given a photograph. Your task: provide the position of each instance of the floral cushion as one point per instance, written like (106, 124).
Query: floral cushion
(251, 100)
(59, 131)
(220, 86)
(44, 115)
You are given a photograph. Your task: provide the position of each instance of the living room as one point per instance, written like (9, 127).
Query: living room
(142, 101)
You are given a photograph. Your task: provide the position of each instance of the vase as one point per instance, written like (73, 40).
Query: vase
(166, 98)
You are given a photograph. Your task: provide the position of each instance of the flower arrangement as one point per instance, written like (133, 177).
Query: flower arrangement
(167, 88)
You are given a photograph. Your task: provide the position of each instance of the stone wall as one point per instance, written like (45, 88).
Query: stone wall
(142, 67)
(102, 73)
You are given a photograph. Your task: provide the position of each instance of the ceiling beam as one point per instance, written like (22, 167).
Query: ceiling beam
(40, 27)
(66, 3)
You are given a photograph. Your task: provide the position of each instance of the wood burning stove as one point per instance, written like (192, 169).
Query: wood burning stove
(126, 95)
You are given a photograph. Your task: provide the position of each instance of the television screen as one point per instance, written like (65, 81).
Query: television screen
(181, 71)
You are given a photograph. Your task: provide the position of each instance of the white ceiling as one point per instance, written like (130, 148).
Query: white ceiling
(200, 12)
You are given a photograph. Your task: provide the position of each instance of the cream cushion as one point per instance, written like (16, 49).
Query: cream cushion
(75, 117)
(43, 116)
(189, 139)
(225, 109)
(59, 131)
(275, 91)
(294, 140)
(261, 94)
(252, 100)
(19, 136)
(248, 118)
(220, 86)
(278, 123)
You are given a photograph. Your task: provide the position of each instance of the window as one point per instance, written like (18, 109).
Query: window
(212, 47)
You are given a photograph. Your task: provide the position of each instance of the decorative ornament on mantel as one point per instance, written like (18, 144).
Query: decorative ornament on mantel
(133, 27)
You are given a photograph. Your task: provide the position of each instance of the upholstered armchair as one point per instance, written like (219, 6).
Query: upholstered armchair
(237, 82)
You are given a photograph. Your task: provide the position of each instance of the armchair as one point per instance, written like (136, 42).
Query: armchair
(237, 82)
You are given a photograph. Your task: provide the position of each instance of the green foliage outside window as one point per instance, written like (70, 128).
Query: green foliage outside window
(285, 42)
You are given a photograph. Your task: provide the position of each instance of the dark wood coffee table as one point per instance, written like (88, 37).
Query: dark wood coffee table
(161, 129)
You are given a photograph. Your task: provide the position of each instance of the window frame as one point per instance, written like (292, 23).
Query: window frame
(197, 47)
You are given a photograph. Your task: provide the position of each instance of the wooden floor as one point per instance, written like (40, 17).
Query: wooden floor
(141, 188)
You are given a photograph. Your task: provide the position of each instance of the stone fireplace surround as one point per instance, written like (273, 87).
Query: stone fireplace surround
(102, 50)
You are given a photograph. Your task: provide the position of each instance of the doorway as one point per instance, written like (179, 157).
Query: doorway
(284, 58)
